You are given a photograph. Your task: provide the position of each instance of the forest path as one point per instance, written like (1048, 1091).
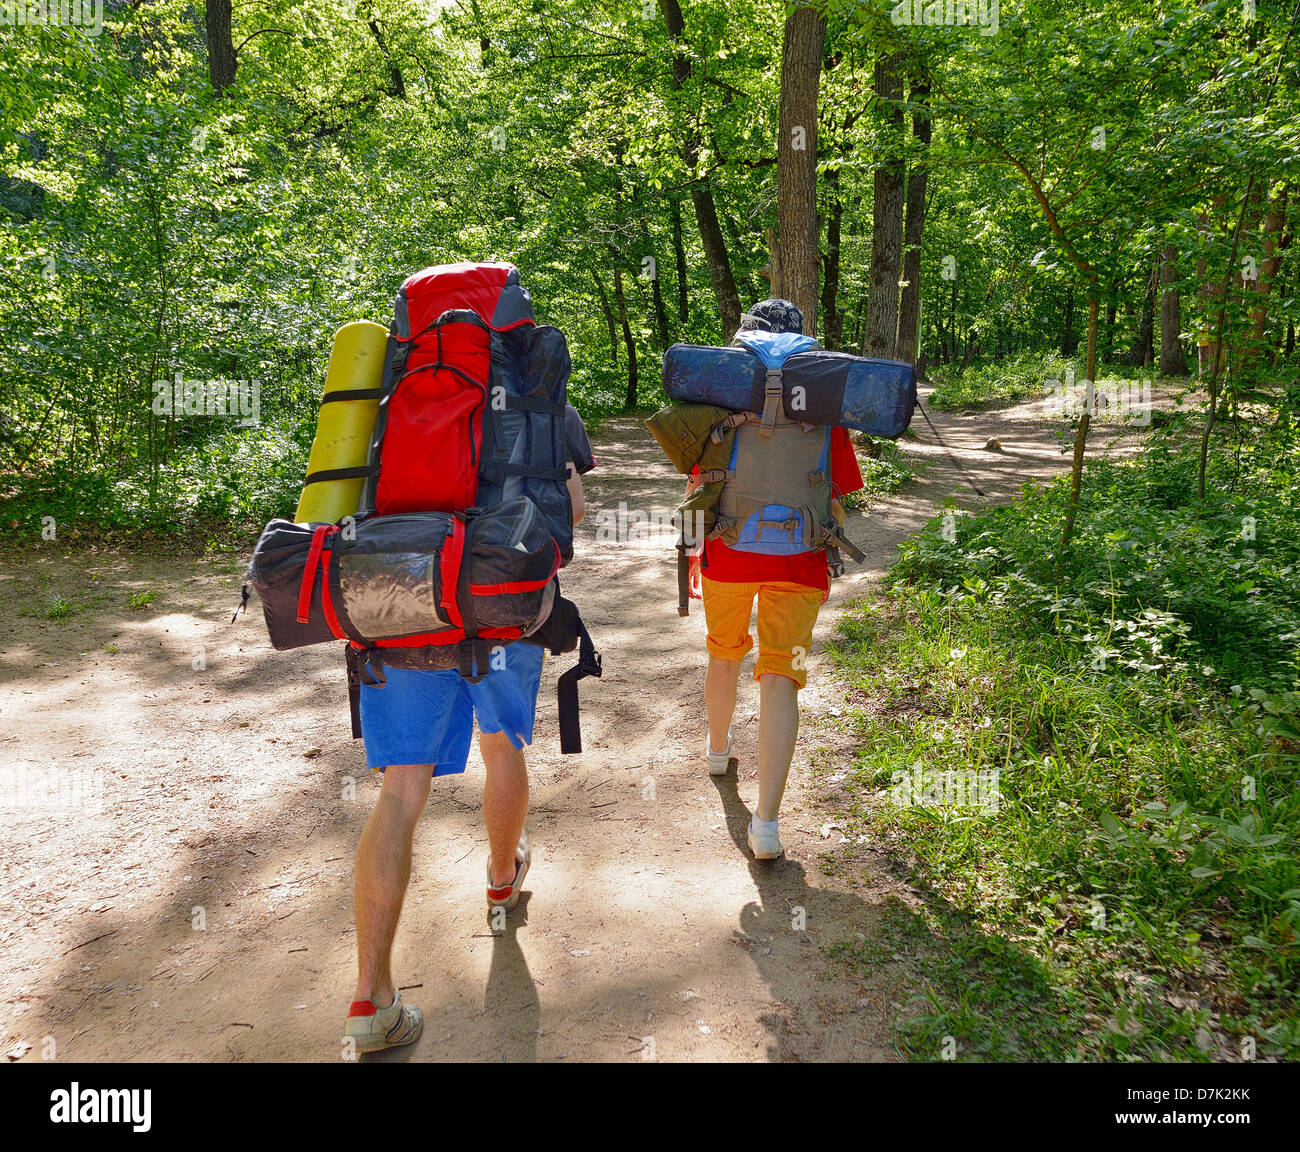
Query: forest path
(176, 862)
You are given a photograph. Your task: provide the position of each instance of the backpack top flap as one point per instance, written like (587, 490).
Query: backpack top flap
(774, 348)
(494, 291)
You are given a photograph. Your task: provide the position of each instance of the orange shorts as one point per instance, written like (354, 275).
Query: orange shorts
(786, 615)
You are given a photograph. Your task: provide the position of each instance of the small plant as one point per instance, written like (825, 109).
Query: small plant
(138, 600)
(59, 608)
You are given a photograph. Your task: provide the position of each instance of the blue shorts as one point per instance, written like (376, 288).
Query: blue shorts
(424, 717)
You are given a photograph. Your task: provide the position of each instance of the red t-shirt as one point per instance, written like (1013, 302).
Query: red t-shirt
(806, 568)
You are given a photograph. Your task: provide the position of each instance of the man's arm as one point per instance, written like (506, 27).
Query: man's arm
(576, 497)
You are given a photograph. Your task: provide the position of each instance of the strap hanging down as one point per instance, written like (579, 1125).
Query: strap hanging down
(353, 658)
(683, 576)
(837, 539)
(589, 664)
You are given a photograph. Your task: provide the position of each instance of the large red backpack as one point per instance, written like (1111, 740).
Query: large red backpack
(472, 417)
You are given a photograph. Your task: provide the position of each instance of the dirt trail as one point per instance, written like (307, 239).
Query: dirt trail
(180, 816)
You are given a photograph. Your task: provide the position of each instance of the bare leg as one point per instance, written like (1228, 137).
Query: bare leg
(778, 725)
(505, 801)
(720, 699)
(383, 869)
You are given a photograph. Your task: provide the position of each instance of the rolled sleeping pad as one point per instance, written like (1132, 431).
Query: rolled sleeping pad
(345, 424)
(874, 396)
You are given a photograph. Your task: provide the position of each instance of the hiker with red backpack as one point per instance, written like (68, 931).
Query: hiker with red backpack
(445, 587)
(758, 427)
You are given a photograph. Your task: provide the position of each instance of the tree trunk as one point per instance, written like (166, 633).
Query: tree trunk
(1210, 292)
(886, 223)
(706, 211)
(221, 48)
(1173, 360)
(609, 316)
(1270, 236)
(909, 311)
(950, 337)
(832, 321)
(1111, 308)
(396, 85)
(679, 251)
(661, 317)
(630, 399)
(1140, 352)
(796, 164)
(1081, 435)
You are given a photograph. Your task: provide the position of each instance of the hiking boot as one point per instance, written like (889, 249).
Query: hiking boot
(375, 1028)
(507, 895)
(718, 761)
(764, 845)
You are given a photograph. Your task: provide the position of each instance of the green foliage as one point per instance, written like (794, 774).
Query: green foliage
(58, 608)
(1136, 703)
(152, 228)
(1011, 380)
(1154, 581)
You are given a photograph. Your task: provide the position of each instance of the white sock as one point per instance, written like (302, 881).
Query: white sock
(708, 743)
(762, 825)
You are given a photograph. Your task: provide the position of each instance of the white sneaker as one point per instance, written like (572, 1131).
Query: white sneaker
(718, 761)
(764, 845)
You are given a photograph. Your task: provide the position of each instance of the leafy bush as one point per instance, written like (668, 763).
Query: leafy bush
(1136, 701)
(1152, 581)
(229, 485)
(1015, 379)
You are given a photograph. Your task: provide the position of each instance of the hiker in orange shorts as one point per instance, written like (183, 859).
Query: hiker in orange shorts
(791, 590)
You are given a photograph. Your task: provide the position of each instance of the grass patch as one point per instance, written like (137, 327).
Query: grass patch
(58, 608)
(137, 600)
(1090, 757)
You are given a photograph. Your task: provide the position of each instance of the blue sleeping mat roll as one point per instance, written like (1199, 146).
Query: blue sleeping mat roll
(874, 396)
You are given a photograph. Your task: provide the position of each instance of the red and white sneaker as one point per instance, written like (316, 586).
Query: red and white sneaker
(375, 1028)
(507, 895)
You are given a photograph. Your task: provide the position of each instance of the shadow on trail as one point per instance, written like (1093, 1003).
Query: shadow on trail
(952, 1003)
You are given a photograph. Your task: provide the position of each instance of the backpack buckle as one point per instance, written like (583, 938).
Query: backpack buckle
(772, 391)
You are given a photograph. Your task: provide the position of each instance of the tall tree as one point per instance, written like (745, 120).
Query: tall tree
(221, 48)
(1173, 359)
(630, 398)
(706, 211)
(886, 219)
(796, 170)
(909, 311)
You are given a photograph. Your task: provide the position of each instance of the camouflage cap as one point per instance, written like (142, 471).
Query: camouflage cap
(773, 315)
